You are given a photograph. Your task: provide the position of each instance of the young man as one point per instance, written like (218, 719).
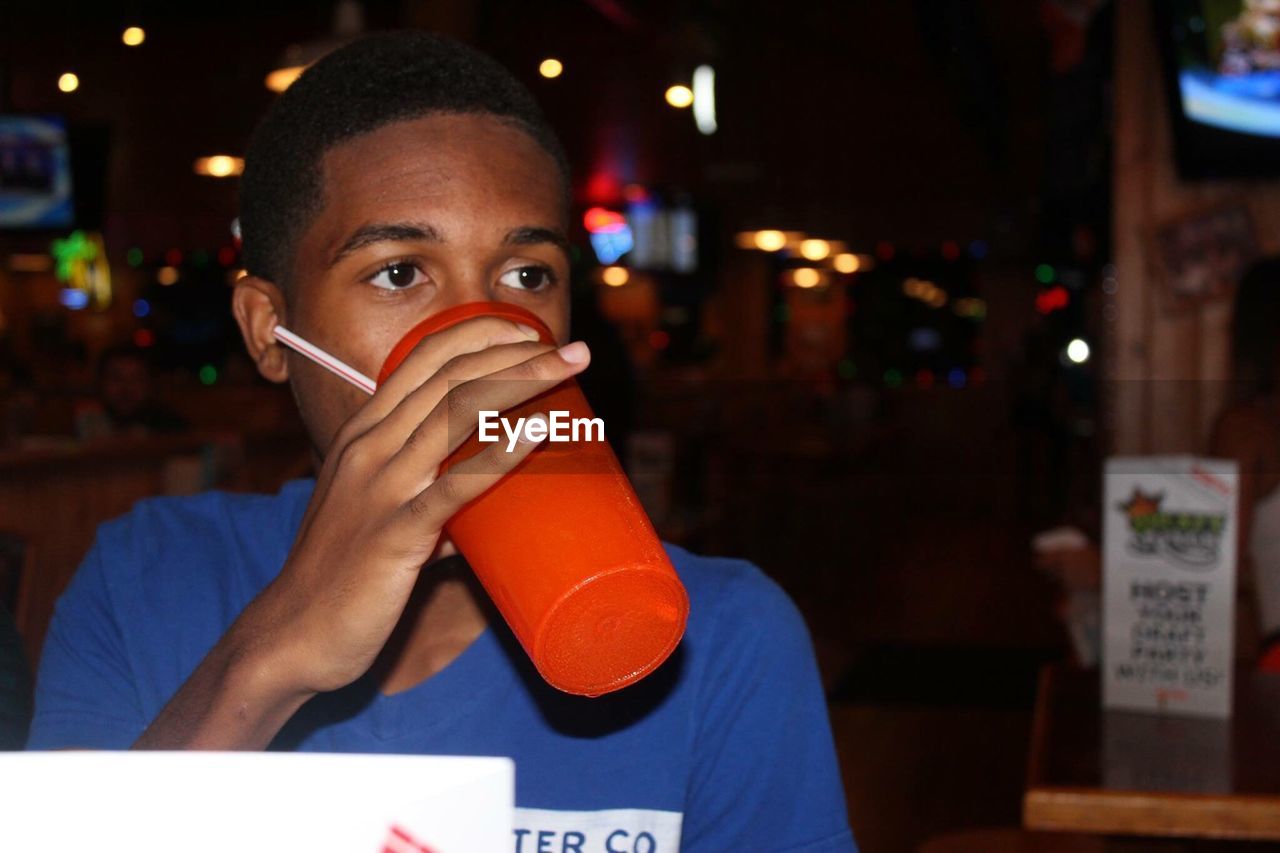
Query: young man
(401, 175)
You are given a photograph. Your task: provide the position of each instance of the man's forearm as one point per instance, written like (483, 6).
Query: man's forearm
(235, 700)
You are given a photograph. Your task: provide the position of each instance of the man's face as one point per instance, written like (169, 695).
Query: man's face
(418, 216)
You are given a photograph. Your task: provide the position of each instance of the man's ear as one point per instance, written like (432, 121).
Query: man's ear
(258, 306)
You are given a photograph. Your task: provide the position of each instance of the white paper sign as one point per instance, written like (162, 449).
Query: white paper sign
(149, 802)
(1169, 579)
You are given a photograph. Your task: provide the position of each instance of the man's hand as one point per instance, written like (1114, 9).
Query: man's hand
(374, 519)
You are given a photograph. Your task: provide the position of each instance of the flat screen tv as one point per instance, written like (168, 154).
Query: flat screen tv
(35, 173)
(1222, 65)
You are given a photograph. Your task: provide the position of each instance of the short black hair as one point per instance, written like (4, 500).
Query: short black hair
(374, 81)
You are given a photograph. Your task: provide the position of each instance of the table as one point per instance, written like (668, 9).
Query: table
(1128, 773)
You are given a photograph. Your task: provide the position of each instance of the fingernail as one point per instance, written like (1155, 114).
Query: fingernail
(574, 353)
(529, 331)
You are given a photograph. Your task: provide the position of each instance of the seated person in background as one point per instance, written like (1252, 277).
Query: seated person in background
(400, 175)
(126, 405)
(1248, 431)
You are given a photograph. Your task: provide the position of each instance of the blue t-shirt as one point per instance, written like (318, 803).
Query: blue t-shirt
(726, 747)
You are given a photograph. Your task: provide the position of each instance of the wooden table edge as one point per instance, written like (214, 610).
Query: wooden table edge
(1219, 816)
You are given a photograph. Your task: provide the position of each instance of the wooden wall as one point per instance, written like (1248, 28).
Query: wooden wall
(1167, 369)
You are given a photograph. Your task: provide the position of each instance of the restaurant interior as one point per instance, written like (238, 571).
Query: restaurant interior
(875, 291)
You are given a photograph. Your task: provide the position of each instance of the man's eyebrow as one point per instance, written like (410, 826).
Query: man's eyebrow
(379, 232)
(531, 234)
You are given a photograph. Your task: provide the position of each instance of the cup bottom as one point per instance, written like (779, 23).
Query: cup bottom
(611, 631)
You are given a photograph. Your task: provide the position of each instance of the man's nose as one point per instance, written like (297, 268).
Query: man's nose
(469, 286)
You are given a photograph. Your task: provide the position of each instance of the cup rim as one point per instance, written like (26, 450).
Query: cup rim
(452, 316)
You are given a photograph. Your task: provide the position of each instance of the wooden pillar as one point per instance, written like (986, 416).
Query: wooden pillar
(1166, 368)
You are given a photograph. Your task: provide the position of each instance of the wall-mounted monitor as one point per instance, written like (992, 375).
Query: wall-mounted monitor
(35, 173)
(1222, 64)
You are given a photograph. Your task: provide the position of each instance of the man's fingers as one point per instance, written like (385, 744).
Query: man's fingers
(462, 483)
(396, 428)
(457, 415)
(431, 353)
(434, 352)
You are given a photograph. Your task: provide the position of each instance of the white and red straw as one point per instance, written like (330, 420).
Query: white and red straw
(336, 366)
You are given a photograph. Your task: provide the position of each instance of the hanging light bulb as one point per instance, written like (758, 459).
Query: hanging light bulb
(815, 250)
(846, 262)
(219, 166)
(615, 276)
(770, 240)
(679, 96)
(1077, 351)
(348, 23)
(806, 277)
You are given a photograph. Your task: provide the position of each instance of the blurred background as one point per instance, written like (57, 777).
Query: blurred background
(872, 288)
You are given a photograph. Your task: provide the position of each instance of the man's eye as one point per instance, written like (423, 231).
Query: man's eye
(528, 278)
(397, 276)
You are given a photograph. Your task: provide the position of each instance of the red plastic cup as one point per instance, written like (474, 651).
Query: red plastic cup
(562, 544)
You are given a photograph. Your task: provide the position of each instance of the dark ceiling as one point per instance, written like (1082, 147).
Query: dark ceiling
(910, 121)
